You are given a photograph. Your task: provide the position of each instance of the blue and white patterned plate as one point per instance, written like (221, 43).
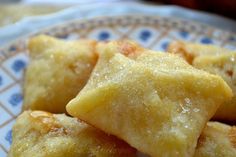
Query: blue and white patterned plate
(153, 32)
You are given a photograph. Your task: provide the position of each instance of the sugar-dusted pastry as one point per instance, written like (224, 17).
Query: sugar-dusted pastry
(223, 65)
(59, 69)
(215, 60)
(126, 47)
(42, 134)
(156, 102)
(217, 140)
(189, 50)
(57, 72)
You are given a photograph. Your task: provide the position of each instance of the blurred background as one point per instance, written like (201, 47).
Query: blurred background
(14, 10)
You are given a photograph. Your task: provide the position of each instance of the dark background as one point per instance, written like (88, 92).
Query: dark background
(225, 8)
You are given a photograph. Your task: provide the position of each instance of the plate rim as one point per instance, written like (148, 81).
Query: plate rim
(131, 15)
(87, 11)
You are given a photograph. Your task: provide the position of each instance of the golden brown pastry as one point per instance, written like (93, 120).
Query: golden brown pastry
(57, 72)
(126, 47)
(59, 69)
(215, 60)
(42, 134)
(223, 65)
(217, 140)
(189, 51)
(156, 102)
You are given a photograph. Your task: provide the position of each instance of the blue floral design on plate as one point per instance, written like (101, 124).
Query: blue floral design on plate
(63, 36)
(8, 136)
(232, 38)
(183, 34)
(18, 65)
(12, 48)
(103, 35)
(145, 35)
(1, 80)
(164, 45)
(15, 99)
(206, 40)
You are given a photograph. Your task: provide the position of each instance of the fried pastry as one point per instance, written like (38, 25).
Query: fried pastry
(57, 72)
(42, 134)
(60, 69)
(223, 65)
(156, 102)
(126, 47)
(217, 140)
(215, 60)
(189, 51)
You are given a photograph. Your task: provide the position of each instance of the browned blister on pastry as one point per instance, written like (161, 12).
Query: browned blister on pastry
(126, 47)
(189, 51)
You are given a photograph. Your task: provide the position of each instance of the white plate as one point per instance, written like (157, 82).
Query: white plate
(87, 11)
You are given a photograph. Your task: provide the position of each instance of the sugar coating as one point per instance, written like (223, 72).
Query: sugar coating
(215, 60)
(42, 134)
(156, 102)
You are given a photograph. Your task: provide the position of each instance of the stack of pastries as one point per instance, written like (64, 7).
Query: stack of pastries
(116, 99)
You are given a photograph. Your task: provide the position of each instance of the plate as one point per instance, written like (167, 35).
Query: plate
(86, 11)
(154, 32)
